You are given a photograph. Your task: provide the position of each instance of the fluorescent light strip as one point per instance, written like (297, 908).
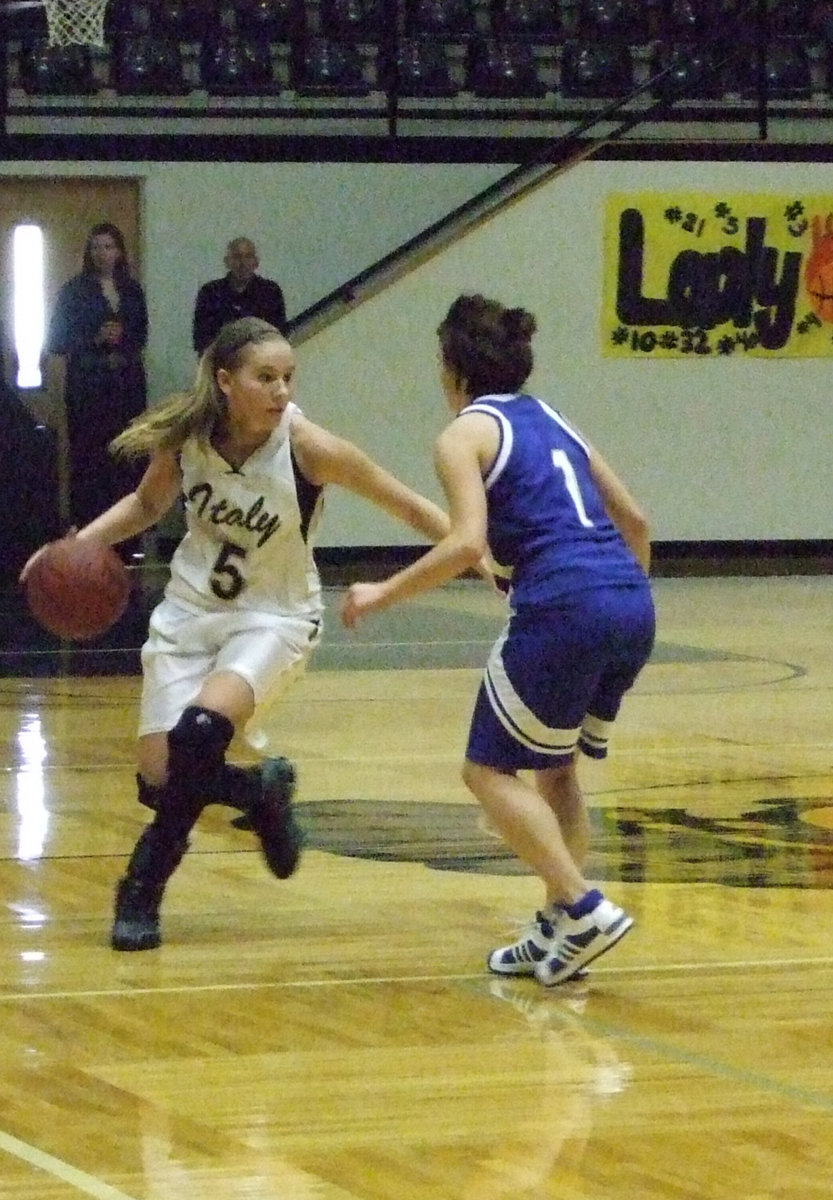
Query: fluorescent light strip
(29, 320)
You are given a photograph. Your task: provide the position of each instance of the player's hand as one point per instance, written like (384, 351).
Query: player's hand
(27, 566)
(109, 334)
(361, 599)
(484, 570)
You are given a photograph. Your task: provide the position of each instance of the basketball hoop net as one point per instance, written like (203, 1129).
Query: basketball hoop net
(75, 22)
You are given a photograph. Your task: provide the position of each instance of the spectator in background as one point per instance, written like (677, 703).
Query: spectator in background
(100, 327)
(240, 293)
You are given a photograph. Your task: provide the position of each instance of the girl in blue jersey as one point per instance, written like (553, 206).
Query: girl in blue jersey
(571, 547)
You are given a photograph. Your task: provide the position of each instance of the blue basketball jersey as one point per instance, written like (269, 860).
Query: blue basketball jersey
(548, 531)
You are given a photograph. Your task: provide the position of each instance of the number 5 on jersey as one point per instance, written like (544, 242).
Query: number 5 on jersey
(227, 580)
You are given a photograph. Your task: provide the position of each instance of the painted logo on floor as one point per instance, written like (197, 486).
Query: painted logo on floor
(777, 842)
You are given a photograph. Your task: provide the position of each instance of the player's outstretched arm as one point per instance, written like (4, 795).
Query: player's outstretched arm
(458, 464)
(134, 513)
(326, 458)
(139, 510)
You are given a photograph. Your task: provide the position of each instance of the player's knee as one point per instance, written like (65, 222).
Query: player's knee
(197, 747)
(149, 792)
(472, 776)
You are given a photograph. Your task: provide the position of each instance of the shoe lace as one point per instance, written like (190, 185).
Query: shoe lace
(523, 927)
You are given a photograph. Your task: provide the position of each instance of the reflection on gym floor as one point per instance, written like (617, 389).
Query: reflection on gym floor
(337, 1036)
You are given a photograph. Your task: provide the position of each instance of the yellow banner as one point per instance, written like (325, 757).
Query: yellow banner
(691, 275)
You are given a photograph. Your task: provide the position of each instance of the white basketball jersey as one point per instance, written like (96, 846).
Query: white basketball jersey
(249, 531)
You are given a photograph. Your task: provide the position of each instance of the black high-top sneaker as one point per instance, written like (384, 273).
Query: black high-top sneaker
(272, 819)
(136, 924)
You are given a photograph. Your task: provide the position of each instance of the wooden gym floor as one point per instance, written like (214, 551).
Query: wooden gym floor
(336, 1036)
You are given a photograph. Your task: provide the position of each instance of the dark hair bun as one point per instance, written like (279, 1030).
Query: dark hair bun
(486, 344)
(519, 324)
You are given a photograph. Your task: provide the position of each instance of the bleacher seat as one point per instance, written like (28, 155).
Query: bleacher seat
(130, 16)
(183, 19)
(26, 21)
(326, 67)
(270, 20)
(791, 18)
(356, 20)
(788, 72)
(503, 69)
(440, 18)
(619, 19)
(535, 20)
(144, 64)
(682, 21)
(596, 70)
(56, 70)
(692, 73)
(235, 65)
(422, 68)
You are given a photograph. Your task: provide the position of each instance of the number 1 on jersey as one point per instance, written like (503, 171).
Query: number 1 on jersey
(562, 463)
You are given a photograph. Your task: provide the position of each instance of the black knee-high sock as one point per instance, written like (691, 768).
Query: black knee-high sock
(196, 757)
(163, 842)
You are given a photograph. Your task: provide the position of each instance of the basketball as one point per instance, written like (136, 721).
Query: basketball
(77, 589)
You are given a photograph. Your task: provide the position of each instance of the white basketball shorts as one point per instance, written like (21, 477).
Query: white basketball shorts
(183, 649)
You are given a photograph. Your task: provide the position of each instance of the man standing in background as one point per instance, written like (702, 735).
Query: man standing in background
(240, 293)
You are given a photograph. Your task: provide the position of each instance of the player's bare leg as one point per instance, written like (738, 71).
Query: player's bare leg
(560, 788)
(530, 827)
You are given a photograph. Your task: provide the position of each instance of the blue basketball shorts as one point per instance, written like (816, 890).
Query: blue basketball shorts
(556, 677)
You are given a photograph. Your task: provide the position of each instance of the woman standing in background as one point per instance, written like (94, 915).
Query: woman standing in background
(100, 326)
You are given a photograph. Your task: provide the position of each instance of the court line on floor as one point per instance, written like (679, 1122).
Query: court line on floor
(97, 1189)
(746, 964)
(660, 1047)
(56, 1167)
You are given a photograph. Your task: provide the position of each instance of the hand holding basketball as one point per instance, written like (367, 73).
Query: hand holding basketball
(76, 588)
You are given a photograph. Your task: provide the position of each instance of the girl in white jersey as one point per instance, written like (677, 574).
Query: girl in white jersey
(572, 548)
(242, 610)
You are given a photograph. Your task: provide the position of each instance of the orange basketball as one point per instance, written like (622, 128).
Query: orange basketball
(77, 589)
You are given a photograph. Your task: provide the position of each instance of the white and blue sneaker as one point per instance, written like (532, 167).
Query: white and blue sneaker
(578, 940)
(536, 941)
